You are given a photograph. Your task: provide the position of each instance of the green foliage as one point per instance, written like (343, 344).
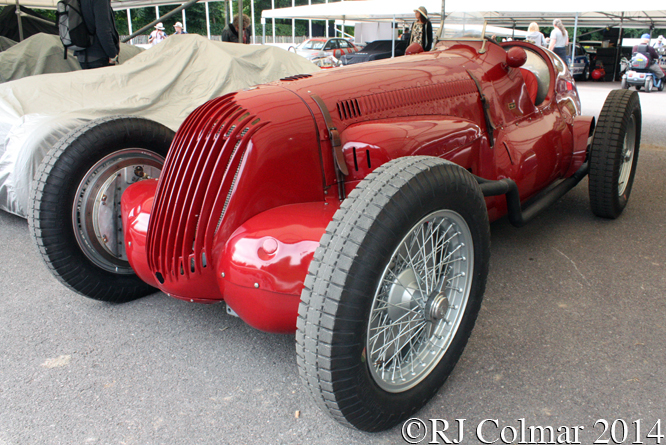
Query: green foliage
(48, 14)
(196, 17)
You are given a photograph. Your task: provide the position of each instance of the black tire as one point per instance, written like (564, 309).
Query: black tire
(623, 84)
(661, 85)
(69, 253)
(648, 85)
(611, 179)
(586, 73)
(353, 258)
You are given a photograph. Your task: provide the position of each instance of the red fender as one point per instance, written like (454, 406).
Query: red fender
(265, 262)
(583, 128)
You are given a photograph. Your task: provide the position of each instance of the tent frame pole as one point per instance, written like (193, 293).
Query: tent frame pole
(573, 45)
(619, 47)
(18, 17)
(253, 26)
(441, 21)
(207, 21)
(239, 25)
(129, 21)
(393, 37)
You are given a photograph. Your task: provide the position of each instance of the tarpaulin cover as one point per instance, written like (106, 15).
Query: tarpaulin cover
(6, 43)
(43, 54)
(164, 83)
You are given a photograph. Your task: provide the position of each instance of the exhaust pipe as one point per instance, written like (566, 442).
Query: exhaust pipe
(519, 216)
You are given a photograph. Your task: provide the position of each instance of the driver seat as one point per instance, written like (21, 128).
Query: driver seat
(531, 83)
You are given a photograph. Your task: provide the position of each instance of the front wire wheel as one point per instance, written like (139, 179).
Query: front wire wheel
(420, 300)
(393, 292)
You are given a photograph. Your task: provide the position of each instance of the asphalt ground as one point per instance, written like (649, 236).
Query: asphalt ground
(570, 333)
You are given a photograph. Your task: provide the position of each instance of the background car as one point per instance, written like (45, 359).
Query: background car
(581, 67)
(318, 48)
(379, 49)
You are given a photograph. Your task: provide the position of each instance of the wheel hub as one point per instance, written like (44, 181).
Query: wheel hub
(437, 307)
(96, 211)
(403, 295)
(627, 157)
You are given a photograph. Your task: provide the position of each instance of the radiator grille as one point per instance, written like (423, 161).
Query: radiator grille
(195, 186)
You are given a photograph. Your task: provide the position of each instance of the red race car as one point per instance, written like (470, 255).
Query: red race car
(351, 206)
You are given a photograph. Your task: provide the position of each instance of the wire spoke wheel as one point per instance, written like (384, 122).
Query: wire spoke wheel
(418, 305)
(393, 291)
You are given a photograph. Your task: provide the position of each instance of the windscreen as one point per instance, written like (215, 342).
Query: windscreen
(313, 44)
(463, 25)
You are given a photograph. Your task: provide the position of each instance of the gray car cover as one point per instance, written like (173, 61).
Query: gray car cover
(164, 83)
(43, 54)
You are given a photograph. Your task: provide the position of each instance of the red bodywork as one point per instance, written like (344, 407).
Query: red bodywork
(250, 182)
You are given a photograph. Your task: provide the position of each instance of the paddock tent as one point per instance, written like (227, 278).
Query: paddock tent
(9, 23)
(518, 13)
(115, 4)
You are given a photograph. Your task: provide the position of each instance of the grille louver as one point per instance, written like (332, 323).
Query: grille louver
(296, 77)
(408, 97)
(195, 187)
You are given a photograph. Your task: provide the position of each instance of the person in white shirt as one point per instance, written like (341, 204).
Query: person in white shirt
(559, 39)
(158, 35)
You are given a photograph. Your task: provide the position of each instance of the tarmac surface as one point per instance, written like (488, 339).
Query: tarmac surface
(570, 334)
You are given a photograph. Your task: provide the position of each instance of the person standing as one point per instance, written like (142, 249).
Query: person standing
(559, 39)
(422, 29)
(98, 17)
(230, 33)
(535, 36)
(158, 35)
(179, 29)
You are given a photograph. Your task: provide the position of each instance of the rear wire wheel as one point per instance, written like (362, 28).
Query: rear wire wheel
(614, 153)
(393, 292)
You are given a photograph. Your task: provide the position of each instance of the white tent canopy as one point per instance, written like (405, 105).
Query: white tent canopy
(518, 13)
(115, 4)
